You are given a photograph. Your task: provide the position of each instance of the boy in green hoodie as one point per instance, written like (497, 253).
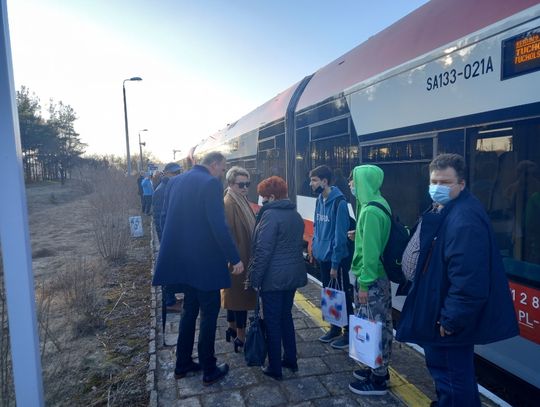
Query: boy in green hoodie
(371, 236)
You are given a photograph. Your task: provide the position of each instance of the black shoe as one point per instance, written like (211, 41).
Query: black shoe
(192, 367)
(369, 387)
(238, 343)
(268, 372)
(364, 374)
(289, 365)
(332, 334)
(230, 333)
(219, 373)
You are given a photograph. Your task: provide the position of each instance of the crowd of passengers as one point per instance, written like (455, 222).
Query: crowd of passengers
(220, 252)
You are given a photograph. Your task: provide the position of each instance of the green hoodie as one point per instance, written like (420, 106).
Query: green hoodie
(372, 227)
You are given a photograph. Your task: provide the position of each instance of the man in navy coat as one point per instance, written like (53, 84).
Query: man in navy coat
(459, 295)
(196, 247)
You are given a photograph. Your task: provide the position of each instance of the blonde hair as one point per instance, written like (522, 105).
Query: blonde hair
(234, 172)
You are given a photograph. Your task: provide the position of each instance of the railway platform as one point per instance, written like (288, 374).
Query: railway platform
(322, 379)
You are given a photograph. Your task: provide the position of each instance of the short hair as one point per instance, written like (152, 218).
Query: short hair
(234, 172)
(273, 186)
(212, 157)
(444, 161)
(322, 172)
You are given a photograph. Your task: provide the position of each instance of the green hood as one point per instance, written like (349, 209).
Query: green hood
(368, 180)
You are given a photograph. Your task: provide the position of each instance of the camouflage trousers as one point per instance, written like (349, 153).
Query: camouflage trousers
(380, 309)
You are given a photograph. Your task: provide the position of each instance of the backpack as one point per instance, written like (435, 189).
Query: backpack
(352, 225)
(393, 252)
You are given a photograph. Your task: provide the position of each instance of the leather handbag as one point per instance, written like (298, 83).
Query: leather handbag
(255, 347)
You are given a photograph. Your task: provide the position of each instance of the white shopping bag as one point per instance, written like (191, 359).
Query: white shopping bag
(135, 224)
(333, 304)
(365, 341)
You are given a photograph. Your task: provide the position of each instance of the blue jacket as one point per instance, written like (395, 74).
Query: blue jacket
(147, 187)
(196, 243)
(463, 286)
(330, 229)
(277, 263)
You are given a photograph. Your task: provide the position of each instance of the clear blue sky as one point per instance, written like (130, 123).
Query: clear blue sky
(204, 63)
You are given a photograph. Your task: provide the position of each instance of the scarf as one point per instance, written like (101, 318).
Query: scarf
(248, 217)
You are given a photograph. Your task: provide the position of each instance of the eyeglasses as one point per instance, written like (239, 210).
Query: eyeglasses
(243, 184)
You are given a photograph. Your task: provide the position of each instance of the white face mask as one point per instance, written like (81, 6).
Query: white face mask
(353, 191)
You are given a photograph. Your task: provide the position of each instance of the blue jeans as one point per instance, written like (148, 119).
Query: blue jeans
(208, 302)
(452, 369)
(277, 307)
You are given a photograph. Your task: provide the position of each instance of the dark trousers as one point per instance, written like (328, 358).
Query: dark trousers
(344, 283)
(277, 307)
(452, 370)
(147, 204)
(238, 317)
(208, 302)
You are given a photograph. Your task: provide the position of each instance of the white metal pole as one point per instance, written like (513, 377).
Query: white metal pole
(19, 281)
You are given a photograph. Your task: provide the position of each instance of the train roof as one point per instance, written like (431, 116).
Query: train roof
(429, 27)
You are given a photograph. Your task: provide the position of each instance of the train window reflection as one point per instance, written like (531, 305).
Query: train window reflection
(504, 172)
(410, 150)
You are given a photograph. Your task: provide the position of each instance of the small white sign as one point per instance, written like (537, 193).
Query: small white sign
(135, 224)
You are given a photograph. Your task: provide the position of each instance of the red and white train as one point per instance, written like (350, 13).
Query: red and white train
(456, 76)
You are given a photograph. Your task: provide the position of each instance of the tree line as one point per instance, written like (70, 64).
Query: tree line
(51, 147)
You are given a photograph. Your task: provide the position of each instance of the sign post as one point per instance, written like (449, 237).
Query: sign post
(18, 278)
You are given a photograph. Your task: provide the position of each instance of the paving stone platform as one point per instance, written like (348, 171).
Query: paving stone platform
(322, 379)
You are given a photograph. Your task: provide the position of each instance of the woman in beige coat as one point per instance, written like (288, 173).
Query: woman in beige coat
(238, 299)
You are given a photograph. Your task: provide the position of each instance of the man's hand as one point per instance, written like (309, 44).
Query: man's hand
(238, 268)
(351, 234)
(333, 273)
(362, 297)
(444, 332)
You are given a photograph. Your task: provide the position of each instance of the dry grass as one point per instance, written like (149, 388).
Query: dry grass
(7, 395)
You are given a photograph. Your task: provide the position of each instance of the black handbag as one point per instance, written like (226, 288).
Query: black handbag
(255, 347)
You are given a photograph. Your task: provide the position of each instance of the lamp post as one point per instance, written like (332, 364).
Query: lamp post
(128, 158)
(140, 149)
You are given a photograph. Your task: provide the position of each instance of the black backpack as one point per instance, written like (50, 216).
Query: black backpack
(393, 252)
(352, 225)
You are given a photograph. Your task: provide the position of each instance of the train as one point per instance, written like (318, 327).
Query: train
(453, 76)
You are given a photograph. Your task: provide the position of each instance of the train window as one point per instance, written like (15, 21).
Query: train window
(303, 162)
(331, 129)
(267, 144)
(272, 130)
(410, 150)
(405, 187)
(504, 174)
(452, 141)
(339, 154)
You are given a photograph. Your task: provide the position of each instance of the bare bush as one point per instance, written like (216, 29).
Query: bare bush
(79, 286)
(113, 200)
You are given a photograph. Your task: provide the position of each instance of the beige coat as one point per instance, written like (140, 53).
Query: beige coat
(237, 298)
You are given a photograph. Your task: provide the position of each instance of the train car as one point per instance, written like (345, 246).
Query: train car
(454, 76)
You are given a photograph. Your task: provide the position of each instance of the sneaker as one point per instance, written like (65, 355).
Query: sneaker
(330, 335)
(341, 343)
(369, 387)
(364, 374)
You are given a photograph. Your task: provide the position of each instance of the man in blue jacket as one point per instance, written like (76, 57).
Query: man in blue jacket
(459, 295)
(195, 247)
(330, 244)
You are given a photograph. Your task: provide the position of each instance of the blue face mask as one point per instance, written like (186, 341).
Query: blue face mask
(440, 193)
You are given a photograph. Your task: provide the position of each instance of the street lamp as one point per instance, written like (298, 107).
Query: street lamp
(140, 149)
(135, 78)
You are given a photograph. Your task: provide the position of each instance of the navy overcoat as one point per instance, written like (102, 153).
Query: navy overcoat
(196, 243)
(463, 286)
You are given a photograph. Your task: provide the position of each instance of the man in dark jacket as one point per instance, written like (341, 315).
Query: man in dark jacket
(195, 248)
(170, 170)
(459, 295)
